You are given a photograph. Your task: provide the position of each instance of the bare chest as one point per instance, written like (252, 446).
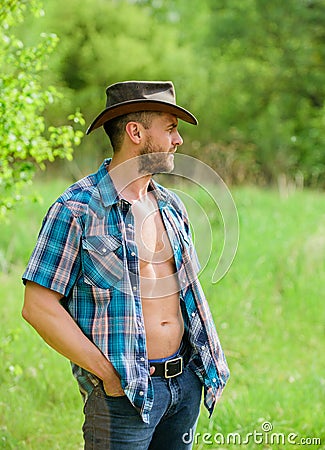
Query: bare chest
(150, 233)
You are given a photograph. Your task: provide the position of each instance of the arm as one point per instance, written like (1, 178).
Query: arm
(42, 309)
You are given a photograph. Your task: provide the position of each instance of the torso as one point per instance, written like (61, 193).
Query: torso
(159, 284)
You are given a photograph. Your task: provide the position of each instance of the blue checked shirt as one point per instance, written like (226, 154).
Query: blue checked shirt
(86, 251)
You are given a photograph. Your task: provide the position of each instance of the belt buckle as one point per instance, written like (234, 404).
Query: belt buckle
(180, 360)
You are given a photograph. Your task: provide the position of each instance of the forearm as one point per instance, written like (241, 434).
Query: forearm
(44, 312)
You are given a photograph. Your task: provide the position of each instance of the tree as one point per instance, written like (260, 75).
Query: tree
(105, 41)
(26, 142)
(252, 71)
(261, 78)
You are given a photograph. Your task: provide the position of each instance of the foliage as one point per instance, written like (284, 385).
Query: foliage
(265, 87)
(104, 42)
(251, 70)
(26, 142)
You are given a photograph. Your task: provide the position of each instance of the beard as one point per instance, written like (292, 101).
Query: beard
(153, 159)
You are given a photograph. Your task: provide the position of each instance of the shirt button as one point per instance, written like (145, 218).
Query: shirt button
(104, 250)
(175, 247)
(214, 380)
(193, 314)
(141, 393)
(132, 254)
(134, 288)
(203, 347)
(130, 225)
(142, 359)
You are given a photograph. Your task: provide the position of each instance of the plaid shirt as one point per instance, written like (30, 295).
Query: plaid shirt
(86, 251)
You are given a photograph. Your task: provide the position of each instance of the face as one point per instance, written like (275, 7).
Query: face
(160, 143)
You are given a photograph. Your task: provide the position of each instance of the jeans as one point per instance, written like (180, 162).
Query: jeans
(113, 423)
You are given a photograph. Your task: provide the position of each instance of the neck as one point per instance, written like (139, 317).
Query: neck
(129, 183)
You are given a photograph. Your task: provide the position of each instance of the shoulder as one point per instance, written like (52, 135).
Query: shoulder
(83, 195)
(77, 197)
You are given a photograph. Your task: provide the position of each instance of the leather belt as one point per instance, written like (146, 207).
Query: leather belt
(168, 369)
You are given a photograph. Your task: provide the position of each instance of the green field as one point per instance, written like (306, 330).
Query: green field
(269, 311)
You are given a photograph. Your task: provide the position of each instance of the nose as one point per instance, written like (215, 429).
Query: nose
(177, 141)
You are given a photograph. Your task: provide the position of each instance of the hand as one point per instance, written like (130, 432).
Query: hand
(112, 384)
(113, 387)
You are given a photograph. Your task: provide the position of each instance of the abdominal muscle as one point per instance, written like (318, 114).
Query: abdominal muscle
(161, 310)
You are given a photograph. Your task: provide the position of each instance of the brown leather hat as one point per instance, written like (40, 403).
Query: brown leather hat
(134, 96)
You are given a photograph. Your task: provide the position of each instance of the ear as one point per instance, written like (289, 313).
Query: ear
(133, 130)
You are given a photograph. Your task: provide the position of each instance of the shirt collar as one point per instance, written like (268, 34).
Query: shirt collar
(107, 191)
(162, 195)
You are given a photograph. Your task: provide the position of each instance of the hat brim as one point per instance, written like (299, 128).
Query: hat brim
(141, 105)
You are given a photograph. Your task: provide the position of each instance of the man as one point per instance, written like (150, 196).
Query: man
(112, 284)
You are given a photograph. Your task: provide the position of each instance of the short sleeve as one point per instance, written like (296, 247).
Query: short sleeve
(55, 261)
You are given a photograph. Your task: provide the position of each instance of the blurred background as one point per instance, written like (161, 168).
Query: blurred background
(253, 72)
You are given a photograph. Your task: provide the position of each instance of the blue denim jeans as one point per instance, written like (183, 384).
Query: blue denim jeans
(113, 423)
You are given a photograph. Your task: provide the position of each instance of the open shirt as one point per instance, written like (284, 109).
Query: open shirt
(86, 251)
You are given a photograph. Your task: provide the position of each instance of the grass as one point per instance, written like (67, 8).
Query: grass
(269, 312)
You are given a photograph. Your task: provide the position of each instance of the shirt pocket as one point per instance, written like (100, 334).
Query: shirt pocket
(102, 260)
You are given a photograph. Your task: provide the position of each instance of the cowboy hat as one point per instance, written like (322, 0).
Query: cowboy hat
(134, 96)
